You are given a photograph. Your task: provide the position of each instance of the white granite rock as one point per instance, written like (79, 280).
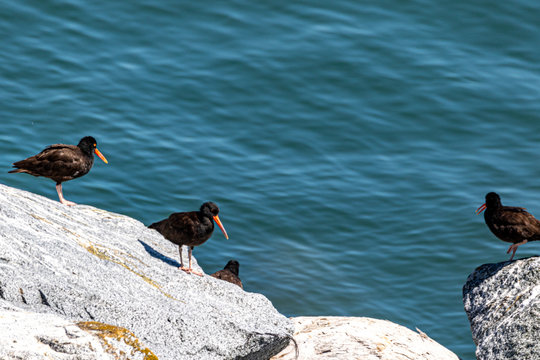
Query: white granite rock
(87, 264)
(28, 335)
(502, 302)
(360, 338)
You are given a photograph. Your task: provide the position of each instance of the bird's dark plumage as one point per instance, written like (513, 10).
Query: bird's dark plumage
(508, 223)
(190, 228)
(61, 162)
(229, 273)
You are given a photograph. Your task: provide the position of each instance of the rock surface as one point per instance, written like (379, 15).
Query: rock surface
(360, 338)
(30, 335)
(502, 302)
(88, 265)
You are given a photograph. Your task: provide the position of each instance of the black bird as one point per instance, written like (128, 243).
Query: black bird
(229, 273)
(61, 162)
(190, 228)
(509, 223)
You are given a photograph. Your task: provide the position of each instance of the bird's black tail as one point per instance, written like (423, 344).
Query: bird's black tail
(156, 226)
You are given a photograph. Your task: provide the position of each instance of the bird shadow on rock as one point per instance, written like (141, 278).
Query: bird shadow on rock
(154, 253)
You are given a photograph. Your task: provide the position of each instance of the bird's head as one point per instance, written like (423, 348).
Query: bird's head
(210, 209)
(88, 144)
(233, 266)
(493, 201)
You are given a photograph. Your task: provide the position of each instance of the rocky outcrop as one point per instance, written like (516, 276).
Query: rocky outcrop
(109, 274)
(360, 338)
(502, 302)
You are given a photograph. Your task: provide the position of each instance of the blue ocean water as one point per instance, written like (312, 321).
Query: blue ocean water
(347, 144)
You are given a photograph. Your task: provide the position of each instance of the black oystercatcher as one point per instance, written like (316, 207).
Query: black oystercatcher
(190, 228)
(229, 273)
(508, 223)
(61, 162)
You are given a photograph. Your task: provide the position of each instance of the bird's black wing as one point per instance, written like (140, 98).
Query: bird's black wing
(517, 223)
(181, 226)
(226, 275)
(59, 162)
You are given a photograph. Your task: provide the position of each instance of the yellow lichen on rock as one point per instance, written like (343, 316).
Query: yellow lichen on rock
(104, 255)
(107, 332)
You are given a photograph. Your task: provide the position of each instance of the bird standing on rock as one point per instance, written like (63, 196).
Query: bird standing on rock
(229, 273)
(509, 223)
(190, 228)
(61, 162)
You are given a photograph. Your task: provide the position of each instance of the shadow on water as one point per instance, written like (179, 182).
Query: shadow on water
(154, 253)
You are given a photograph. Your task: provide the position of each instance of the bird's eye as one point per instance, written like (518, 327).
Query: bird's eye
(95, 145)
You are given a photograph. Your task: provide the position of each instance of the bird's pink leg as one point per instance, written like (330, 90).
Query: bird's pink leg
(181, 261)
(514, 248)
(61, 197)
(190, 270)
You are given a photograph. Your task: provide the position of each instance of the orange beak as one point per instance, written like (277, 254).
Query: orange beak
(218, 222)
(480, 209)
(98, 153)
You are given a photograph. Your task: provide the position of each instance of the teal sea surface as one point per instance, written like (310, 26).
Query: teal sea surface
(346, 143)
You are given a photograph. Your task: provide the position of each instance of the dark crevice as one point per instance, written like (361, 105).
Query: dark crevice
(44, 300)
(22, 296)
(90, 315)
